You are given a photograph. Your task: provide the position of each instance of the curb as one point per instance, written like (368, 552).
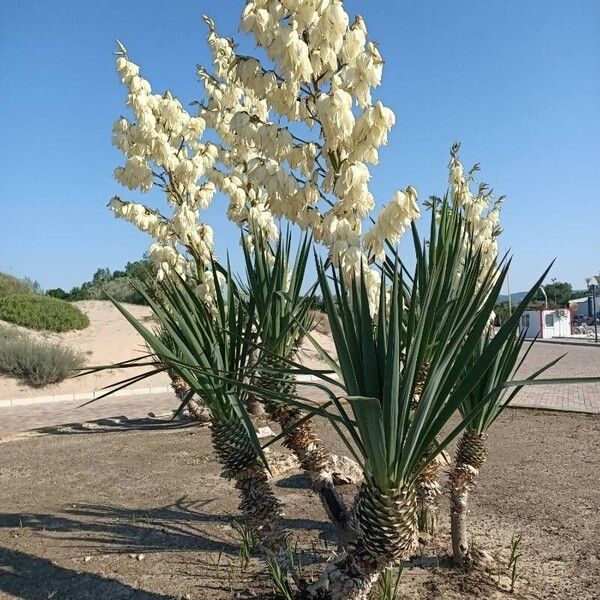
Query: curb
(84, 396)
(564, 342)
(531, 406)
(12, 402)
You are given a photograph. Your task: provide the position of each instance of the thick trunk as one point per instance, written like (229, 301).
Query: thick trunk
(179, 385)
(428, 486)
(428, 496)
(470, 457)
(260, 507)
(258, 504)
(385, 532)
(198, 411)
(353, 575)
(314, 460)
(308, 449)
(254, 406)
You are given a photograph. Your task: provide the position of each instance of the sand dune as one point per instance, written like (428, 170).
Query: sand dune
(110, 339)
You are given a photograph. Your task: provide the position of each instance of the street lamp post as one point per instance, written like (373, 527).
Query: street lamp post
(592, 282)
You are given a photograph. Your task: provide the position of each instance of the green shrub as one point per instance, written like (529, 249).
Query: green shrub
(10, 285)
(120, 289)
(38, 363)
(42, 312)
(58, 293)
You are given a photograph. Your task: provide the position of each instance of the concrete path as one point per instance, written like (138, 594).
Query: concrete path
(579, 361)
(33, 416)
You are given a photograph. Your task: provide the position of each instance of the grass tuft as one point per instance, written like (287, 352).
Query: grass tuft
(38, 363)
(42, 312)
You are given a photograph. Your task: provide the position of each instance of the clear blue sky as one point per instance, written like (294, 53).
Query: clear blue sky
(517, 82)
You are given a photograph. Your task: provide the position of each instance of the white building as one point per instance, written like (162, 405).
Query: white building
(547, 322)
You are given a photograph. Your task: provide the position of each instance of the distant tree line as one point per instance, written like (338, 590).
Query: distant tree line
(119, 284)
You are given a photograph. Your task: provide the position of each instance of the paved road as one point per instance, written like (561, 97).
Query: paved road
(579, 361)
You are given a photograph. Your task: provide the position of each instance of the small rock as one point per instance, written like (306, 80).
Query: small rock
(344, 470)
(280, 463)
(141, 556)
(87, 559)
(264, 432)
(482, 558)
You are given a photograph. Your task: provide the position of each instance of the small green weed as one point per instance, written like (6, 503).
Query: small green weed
(389, 584)
(513, 560)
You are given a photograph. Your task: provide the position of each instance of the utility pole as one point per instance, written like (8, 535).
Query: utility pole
(592, 290)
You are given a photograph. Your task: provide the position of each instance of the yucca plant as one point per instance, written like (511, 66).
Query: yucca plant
(284, 312)
(439, 319)
(492, 398)
(210, 346)
(446, 223)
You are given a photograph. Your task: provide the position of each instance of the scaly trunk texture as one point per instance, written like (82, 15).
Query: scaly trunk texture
(308, 449)
(258, 503)
(428, 497)
(180, 387)
(255, 407)
(385, 530)
(197, 410)
(428, 485)
(470, 457)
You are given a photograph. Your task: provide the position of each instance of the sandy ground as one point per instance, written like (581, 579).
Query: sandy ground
(124, 513)
(110, 339)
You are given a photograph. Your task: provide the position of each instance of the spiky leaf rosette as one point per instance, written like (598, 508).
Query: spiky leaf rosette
(209, 346)
(427, 323)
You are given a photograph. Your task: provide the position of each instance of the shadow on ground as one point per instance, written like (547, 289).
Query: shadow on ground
(181, 526)
(175, 527)
(118, 424)
(30, 577)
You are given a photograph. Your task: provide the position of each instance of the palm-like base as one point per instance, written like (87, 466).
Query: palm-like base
(308, 449)
(198, 411)
(258, 503)
(385, 532)
(314, 460)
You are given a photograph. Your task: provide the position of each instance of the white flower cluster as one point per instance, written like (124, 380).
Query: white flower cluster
(481, 211)
(163, 148)
(294, 139)
(143, 218)
(320, 79)
(206, 289)
(393, 221)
